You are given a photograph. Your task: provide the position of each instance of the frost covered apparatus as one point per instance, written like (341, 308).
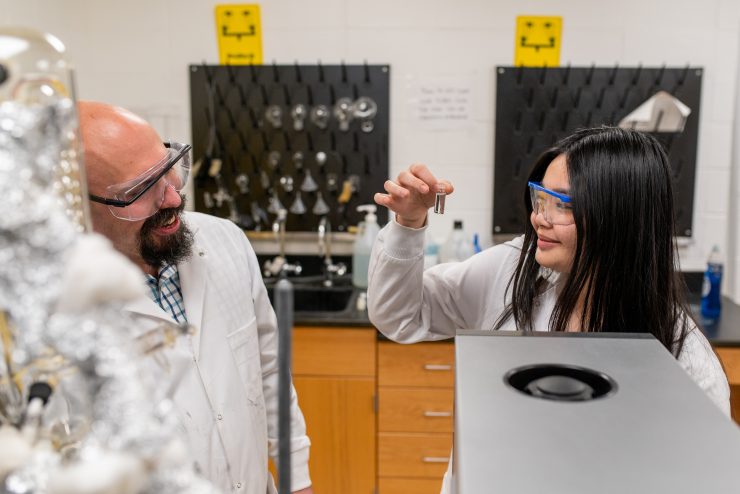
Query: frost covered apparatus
(108, 423)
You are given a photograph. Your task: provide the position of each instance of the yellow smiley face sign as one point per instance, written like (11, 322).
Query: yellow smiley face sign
(239, 33)
(537, 42)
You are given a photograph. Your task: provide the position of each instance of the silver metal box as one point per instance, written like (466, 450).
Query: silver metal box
(657, 433)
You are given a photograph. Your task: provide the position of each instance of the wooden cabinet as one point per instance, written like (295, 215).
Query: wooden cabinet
(415, 420)
(334, 373)
(730, 358)
(380, 414)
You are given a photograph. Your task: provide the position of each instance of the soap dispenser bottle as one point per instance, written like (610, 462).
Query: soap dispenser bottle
(366, 233)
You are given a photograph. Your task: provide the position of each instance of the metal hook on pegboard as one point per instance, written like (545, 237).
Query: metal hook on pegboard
(367, 71)
(577, 99)
(600, 100)
(543, 73)
(590, 74)
(613, 75)
(623, 99)
(659, 77)
(566, 75)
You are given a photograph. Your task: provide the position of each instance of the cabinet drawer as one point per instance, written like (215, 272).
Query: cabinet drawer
(334, 352)
(421, 364)
(413, 455)
(415, 409)
(730, 358)
(409, 486)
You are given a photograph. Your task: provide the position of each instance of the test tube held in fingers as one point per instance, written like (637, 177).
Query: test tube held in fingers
(439, 199)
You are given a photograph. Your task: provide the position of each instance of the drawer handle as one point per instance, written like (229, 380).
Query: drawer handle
(437, 367)
(428, 413)
(435, 459)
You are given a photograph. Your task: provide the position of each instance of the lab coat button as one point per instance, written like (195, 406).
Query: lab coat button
(238, 485)
(220, 417)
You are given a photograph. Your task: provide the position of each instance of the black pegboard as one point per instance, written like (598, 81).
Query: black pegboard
(230, 126)
(536, 107)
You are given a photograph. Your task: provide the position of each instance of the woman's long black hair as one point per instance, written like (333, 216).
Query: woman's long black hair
(625, 260)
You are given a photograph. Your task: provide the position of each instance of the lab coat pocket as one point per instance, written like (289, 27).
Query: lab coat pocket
(244, 345)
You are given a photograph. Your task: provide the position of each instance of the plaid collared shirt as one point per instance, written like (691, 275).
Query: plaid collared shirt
(165, 291)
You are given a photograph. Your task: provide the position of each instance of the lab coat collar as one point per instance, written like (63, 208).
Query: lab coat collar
(147, 307)
(193, 280)
(550, 276)
(553, 281)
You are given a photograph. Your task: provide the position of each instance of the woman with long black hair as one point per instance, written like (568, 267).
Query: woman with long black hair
(597, 255)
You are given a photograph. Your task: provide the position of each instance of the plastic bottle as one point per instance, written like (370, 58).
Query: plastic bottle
(366, 233)
(711, 303)
(476, 243)
(431, 253)
(361, 304)
(457, 247)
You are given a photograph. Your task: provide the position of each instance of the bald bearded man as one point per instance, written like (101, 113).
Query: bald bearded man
(203, 271)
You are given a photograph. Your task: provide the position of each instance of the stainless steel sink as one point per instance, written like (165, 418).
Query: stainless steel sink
(310, 294)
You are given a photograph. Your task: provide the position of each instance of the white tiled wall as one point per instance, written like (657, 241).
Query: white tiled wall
(135, 53)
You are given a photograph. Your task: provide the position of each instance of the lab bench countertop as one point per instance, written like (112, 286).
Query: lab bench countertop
(725, 331)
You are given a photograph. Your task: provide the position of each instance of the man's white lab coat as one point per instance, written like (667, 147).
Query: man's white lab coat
(227, 399)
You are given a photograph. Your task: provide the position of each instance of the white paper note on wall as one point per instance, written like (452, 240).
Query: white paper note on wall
(441, 102)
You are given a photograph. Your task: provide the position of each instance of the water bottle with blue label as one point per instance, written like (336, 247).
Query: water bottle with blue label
(476, 243)
(711, 293)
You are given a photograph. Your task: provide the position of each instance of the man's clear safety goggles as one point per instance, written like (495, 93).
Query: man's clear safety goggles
(556, 208)
(141, 197)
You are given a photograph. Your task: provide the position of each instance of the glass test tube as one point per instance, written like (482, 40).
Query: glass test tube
(439, 199)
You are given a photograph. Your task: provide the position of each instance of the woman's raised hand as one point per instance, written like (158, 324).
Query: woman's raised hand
(411, 195)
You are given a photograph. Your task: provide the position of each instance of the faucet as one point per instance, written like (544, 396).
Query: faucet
(330, 269)
(279, 264)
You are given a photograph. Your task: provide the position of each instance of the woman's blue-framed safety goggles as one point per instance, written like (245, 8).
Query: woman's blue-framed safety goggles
(556, 207)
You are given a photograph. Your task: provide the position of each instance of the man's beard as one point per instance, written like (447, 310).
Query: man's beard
(158, 251)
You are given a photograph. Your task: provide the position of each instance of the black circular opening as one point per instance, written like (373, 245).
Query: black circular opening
(559, 382)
